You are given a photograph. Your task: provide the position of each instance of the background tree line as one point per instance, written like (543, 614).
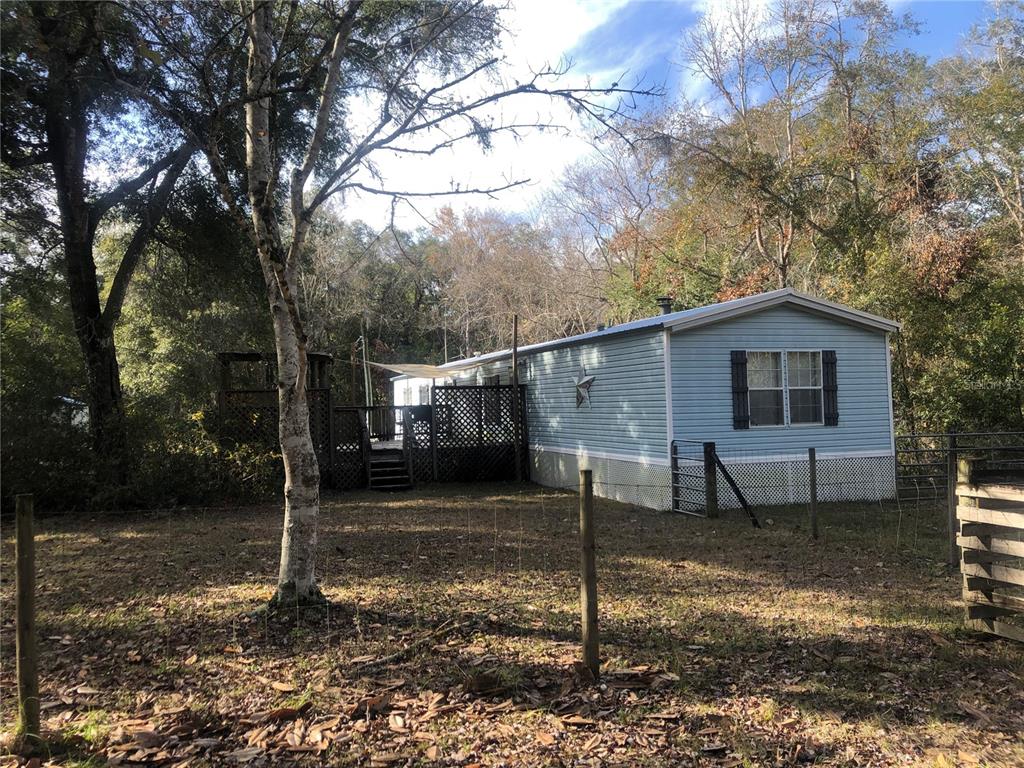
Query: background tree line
(820, 155)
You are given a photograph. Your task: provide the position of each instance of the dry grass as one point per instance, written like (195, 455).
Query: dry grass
(722, 645)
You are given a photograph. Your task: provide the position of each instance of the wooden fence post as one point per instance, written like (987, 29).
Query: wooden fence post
(812, 483)
(710, 481)
(25, 612)
(952, 472)
(674, 476)
(962, 476)
(588, 575)
(963, 470)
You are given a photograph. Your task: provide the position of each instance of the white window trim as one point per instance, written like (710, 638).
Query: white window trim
(784, 365)
(782, 381)
(820, 388)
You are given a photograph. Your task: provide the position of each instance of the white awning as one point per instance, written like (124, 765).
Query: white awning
(423, 371)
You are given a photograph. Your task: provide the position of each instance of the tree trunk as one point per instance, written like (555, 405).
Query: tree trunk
(66, 136)
(296, 582)
(96, 340)
(106, 408)
(71, 96)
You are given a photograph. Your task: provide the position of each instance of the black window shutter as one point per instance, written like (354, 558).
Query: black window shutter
(740, 406)
(829, 387)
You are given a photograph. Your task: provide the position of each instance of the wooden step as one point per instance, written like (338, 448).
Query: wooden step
(389, 477)
(388, 470)
(391, 487)
(390, 484)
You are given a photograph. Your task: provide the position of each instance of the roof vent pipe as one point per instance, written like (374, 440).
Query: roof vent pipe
(665, 304)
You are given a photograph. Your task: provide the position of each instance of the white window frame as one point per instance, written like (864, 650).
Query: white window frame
(820, 388)
(784, 364)
(782, 381)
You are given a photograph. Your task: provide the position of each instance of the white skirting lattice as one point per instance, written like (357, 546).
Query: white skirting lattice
(764, 481)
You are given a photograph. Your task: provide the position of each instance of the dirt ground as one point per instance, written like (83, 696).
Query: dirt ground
(452, 635)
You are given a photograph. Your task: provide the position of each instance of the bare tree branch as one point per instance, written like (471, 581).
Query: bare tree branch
(488, 191)
(152, 213)
(128, 187)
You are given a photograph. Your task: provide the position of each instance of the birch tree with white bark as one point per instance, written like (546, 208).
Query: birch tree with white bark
(328, 90)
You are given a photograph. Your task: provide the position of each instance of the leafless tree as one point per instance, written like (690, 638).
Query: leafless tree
(328, 89)
(492, 266)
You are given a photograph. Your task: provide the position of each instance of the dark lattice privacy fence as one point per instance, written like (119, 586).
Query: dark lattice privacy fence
(351, 448)
(417, 421)
(475, 431)
(339, 434)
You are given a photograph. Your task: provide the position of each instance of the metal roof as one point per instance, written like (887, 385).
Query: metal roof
(694, 318)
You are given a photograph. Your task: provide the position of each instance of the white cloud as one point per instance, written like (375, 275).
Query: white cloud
(539, 32)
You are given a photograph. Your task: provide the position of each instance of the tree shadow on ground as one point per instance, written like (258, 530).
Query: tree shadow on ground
(736, 614)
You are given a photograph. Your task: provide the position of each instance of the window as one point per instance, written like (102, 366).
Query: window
(803, 376)
(764, 382)
(424, 394)
(785, 388)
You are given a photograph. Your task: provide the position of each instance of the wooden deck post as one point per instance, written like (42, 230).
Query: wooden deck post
(515, 399)
(710, 481)
(433, 434)
(332, 447)
(25, 615)
(952, 473)
(812, 489)
(588, 575)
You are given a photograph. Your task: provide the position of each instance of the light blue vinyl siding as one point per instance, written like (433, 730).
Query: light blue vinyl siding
(626, 414)
(702, 382)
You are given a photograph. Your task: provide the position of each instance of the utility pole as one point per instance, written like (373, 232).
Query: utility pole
(444, 315)
(367, 383)
(352, 359)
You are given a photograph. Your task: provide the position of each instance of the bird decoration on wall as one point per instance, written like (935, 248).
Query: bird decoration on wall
(583, 382)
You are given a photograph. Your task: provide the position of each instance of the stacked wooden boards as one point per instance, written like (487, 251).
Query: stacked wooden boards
(991, 541)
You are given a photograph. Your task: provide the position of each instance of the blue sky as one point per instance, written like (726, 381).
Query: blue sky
(644, 36)
(605, 38)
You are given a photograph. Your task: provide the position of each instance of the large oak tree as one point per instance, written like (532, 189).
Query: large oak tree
(77, 151)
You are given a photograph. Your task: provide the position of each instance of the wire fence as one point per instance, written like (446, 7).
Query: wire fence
(924, 460)
(850, 493)
(901, 527)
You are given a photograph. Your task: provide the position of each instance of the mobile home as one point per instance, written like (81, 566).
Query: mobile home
(764, 377)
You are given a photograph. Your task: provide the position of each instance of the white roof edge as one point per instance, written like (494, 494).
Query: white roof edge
(762, 301)
(544, 346)
(693, 318)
